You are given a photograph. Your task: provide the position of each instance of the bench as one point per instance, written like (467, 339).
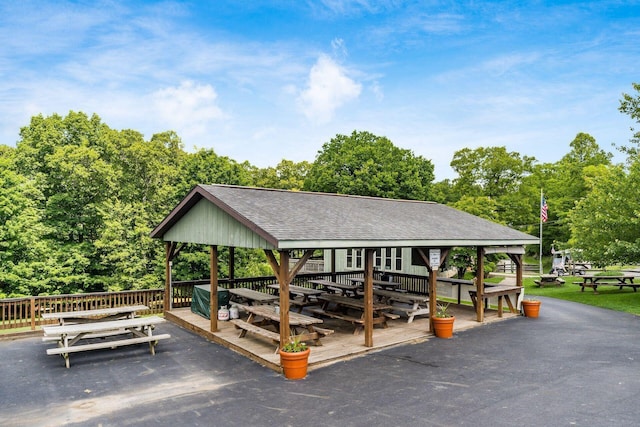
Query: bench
(556, 281)
(255, 329)
(336, 315)
(151, 339)
(498, 291)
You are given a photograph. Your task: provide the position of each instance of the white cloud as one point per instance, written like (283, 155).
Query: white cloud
(188, 109)
(329, 88)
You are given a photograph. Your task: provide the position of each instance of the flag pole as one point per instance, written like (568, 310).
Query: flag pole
(540, 215)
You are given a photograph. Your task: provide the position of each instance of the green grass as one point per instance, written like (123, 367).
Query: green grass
(607, 297)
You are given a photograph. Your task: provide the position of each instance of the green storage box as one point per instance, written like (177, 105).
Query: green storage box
(201, 301)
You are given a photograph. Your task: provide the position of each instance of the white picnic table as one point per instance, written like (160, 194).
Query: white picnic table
(101, 314)
(72, 338)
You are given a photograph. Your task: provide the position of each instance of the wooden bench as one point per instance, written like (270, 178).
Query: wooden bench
(498, 291)
(255, 329)
(68, 336)
(595, 285)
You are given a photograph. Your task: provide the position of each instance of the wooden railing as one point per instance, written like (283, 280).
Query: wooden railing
(27, 312)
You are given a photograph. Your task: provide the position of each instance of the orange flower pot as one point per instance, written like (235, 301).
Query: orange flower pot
(295, 365)
(531, 308)
(443, 326)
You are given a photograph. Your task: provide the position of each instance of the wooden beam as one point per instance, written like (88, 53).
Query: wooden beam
(368, 297)
(517, 260)
(169, 248)
(301, 262)
(433, 281)
(213, 280)
(284, 279)
(480, 284)
(273, 262)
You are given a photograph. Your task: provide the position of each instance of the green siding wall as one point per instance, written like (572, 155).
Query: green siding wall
(207, 224)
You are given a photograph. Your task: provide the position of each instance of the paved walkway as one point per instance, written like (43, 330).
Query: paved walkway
(574, 366)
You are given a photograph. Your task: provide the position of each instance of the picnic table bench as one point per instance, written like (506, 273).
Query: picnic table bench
(97, 315)
(333, 287)
(343, 304)
(499, 291)
(549, 280)
(69, 337)
(410, 304)
(593, 281)
(305, 296)
(304, 327)
(251, 297)
(384, 284)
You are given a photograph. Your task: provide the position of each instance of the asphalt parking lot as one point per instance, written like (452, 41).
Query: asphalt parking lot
(573, 366)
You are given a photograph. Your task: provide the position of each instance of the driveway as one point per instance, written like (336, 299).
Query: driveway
(574, 366)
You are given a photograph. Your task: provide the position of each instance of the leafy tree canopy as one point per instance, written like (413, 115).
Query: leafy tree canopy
(368, 165)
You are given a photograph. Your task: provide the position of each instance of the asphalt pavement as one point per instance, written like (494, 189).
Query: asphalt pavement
(575, 365)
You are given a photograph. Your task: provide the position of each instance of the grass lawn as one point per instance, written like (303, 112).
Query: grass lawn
(607, 297)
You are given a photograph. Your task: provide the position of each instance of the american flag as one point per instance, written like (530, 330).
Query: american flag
(543, 210)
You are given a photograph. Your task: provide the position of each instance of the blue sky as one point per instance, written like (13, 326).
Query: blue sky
(269, 80)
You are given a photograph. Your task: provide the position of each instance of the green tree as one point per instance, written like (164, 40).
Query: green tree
(368, 165)
(287, 175)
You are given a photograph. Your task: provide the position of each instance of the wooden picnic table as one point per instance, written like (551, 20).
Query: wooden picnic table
(304, 327)
(549, 280)
(593, 281)
(342, 304)
(332, 287)
(70, 337)
(500, 292)
(251, 297)
(410, 304)
(384, 284)
(306, 296)
(101, 314)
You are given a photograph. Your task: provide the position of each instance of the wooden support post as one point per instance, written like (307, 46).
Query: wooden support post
(368, 297)
(283, 279)
(480, 284)
(213, 281)
(167, 277)
(33, 313)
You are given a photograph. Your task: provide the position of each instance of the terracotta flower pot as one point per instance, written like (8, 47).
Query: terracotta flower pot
(531, 308)
(295, 365)
(443, 326)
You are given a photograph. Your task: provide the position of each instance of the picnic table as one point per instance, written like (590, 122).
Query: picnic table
(593, 281)
(549, 280)
(342, 304)
(71, 338)
(410, 304)
(384, 284)
(251, 297)
(305, 296)
(499, 291)
(304, 327)
(333, 287)
(97, 315)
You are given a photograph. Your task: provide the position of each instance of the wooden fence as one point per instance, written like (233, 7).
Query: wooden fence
(27, 312)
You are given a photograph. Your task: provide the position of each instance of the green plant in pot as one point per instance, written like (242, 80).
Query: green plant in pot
(294, 359)
(443, 321)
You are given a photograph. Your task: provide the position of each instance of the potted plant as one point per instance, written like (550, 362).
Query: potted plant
(294, 359)
(443, 322)
(531, 307)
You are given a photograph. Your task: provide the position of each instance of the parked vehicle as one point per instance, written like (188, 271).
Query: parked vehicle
(565, 262)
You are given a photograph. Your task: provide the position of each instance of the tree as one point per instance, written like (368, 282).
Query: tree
(287, 175)
(490, 171)
(368, 165)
